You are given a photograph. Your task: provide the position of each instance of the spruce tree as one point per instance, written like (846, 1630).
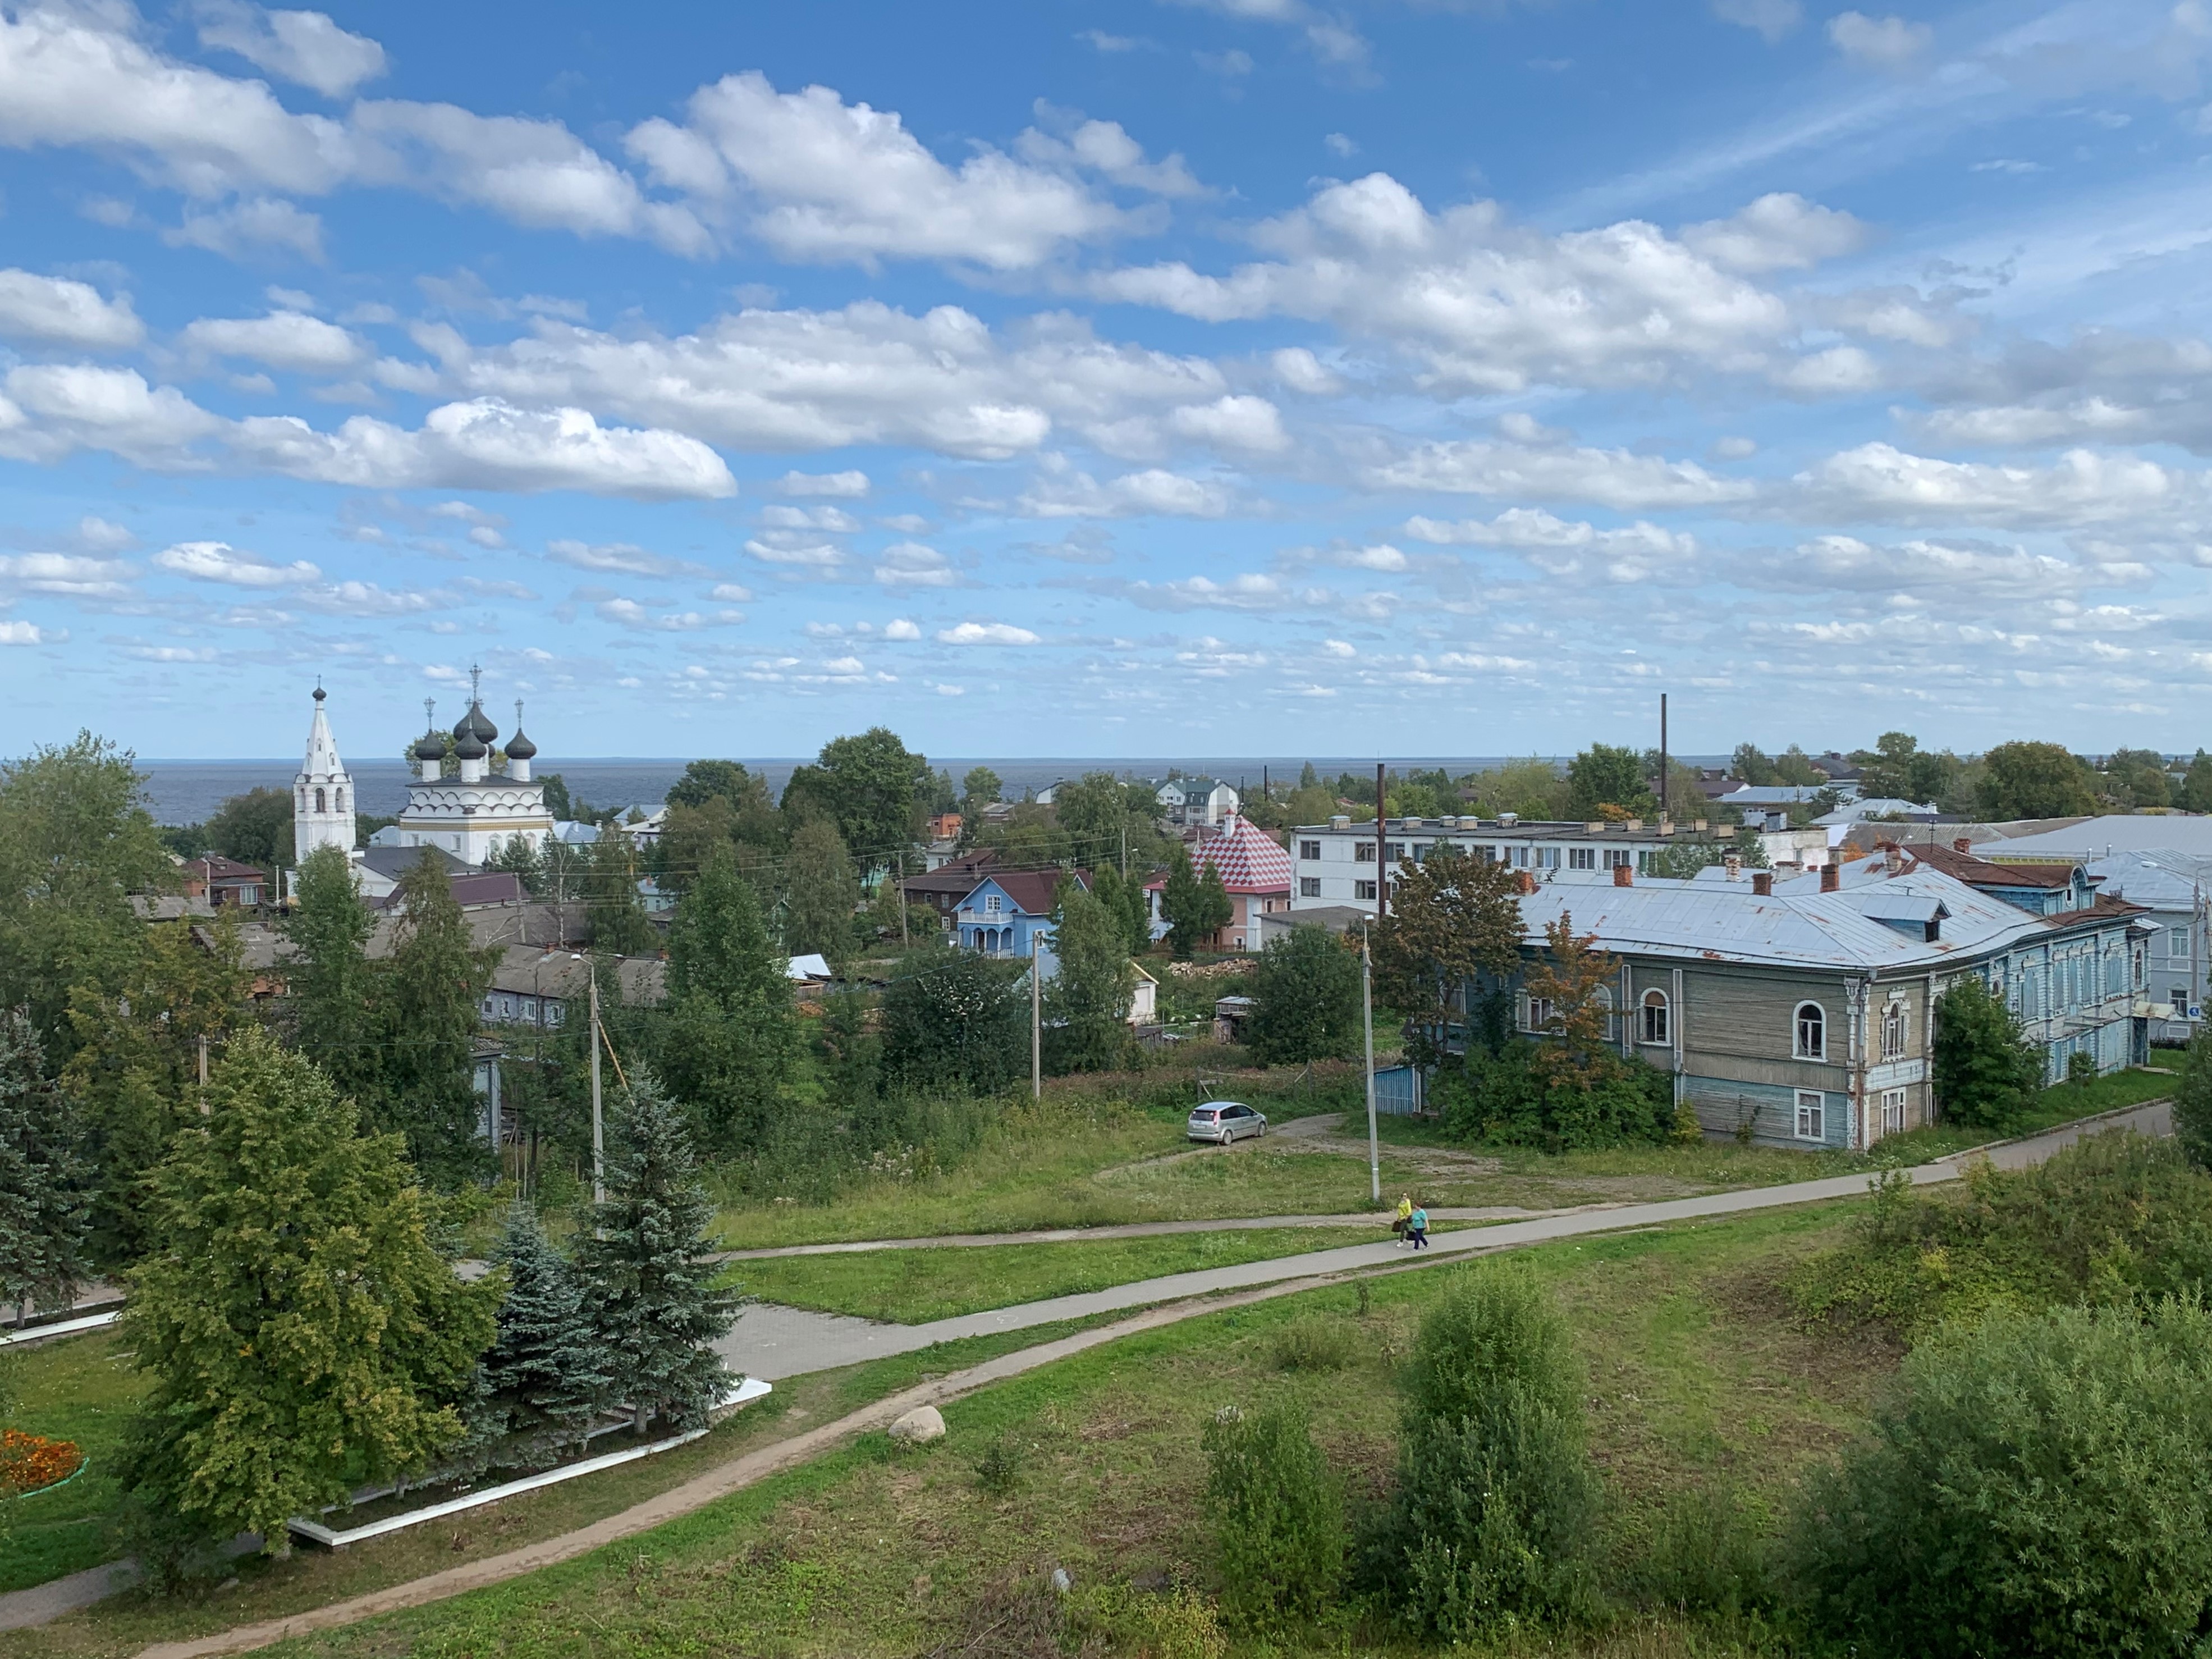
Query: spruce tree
(544, 1375)
(647, 1273)
(300, 1329)
(43, 1210)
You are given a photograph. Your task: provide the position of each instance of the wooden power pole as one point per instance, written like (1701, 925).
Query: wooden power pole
(1037, 1016)
(599, 1132)
(1662, 755)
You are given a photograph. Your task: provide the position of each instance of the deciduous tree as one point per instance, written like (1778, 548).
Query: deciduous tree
(76, 842)
(300, 1329)
(732, 1038)
(1453, 920)
(2034, 780)
(1306, 1000)
(254, 828)
(429, 999)
(1087, 1001)
(871, 787)
(955, 1020)
(329, 980)
(822, 893)
(1603, 775)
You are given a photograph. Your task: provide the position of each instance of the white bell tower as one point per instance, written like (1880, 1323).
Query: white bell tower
(322, 795)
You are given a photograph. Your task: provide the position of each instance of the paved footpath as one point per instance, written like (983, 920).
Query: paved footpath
(785, 1342)
(775, 1342)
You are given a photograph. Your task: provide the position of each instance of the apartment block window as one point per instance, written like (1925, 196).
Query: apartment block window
(1812, 1114)
(1812, 1038)
(1893, 1111)
(1309, 851)
(1486, 853)
(1363, 853)
(1309, 886)
(1547, 858)
(1582, 858)
(1420, 852)
(1363, 889)
(1655, 1027)
(1616, 857)
(1892, 1031)
(2177, 944)
(1397, 852)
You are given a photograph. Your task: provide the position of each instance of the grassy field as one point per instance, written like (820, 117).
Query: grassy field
(1696, 1383)
(313, 1577)
(911, 1287)
(1100, 1152)
(80, 1388)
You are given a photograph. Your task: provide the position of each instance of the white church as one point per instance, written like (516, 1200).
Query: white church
(470, 815)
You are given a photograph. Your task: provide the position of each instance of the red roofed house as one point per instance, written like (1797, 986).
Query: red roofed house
(1255, 869)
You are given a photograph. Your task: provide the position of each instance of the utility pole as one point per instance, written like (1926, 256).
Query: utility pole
(1036, 1018)
(1367, 1013)
(904, 941)
(1662, 754)
(1125, 847)
(1382, 849)
(599, 1132)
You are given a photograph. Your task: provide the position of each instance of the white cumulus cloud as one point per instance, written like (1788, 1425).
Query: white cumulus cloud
(304, 47)
(976, 633)
(219, 562)
(53, 311)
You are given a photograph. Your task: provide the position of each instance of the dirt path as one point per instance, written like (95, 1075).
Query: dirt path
(1316, 1268)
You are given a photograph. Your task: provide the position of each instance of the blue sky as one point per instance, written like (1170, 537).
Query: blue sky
(1245, 376)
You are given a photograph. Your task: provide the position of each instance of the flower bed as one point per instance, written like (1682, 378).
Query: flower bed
(30, 1462)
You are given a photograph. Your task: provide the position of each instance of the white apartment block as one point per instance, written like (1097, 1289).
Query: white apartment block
(1334, 863)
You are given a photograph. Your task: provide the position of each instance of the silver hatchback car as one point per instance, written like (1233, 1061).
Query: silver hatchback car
(1225, 1121)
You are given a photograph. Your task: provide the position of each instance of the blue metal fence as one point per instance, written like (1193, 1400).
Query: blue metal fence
(1398, 1091)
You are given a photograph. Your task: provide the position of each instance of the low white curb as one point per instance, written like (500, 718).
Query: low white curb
(750, 1390)
(63, 1327)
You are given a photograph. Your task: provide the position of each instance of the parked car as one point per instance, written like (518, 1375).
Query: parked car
(1225, 1121)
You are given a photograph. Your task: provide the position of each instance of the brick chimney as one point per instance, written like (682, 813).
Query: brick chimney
(1733, 863)
(1525, 880)
(1963, 844)
(1831, 876)
(1892, 858)
(1623, 876)
(1762, 883)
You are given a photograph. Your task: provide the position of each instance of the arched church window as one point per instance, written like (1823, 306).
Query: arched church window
(320, 807)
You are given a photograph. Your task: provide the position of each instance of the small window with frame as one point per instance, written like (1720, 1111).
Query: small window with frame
(1657, 1025)
(1812, 1114)
(1893, 1111)
(1811, 1038)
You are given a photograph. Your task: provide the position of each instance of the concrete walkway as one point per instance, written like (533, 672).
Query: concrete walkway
(1377, 1219)
(775, 1342)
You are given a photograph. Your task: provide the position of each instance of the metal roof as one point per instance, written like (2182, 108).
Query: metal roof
(1726, 921)
(2116, 832)
(2158, 877)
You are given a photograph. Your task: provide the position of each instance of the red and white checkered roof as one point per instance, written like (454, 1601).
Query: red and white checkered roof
(1247, 858)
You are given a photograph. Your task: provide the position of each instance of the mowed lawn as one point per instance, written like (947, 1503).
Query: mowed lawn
(912, 1287)
(1696, 1383)
(82, 1389)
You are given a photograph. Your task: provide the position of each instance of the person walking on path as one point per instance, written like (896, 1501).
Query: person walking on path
(1402, 1220)
(1418, 1226)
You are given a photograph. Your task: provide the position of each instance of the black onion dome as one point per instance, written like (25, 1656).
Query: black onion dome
(521, 748)
(467, 745)
(432, 747)
(477, 725)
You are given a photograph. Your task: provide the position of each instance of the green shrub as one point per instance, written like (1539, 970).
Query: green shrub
(1318, 1342)
(1499, 1099)
(1491, 1523)
(2192, 1100)
(1277, 1516)
(2041, 1484)
(999, 1467)
(1706, 1551)
(1985, 1073)
(2114, 1218)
